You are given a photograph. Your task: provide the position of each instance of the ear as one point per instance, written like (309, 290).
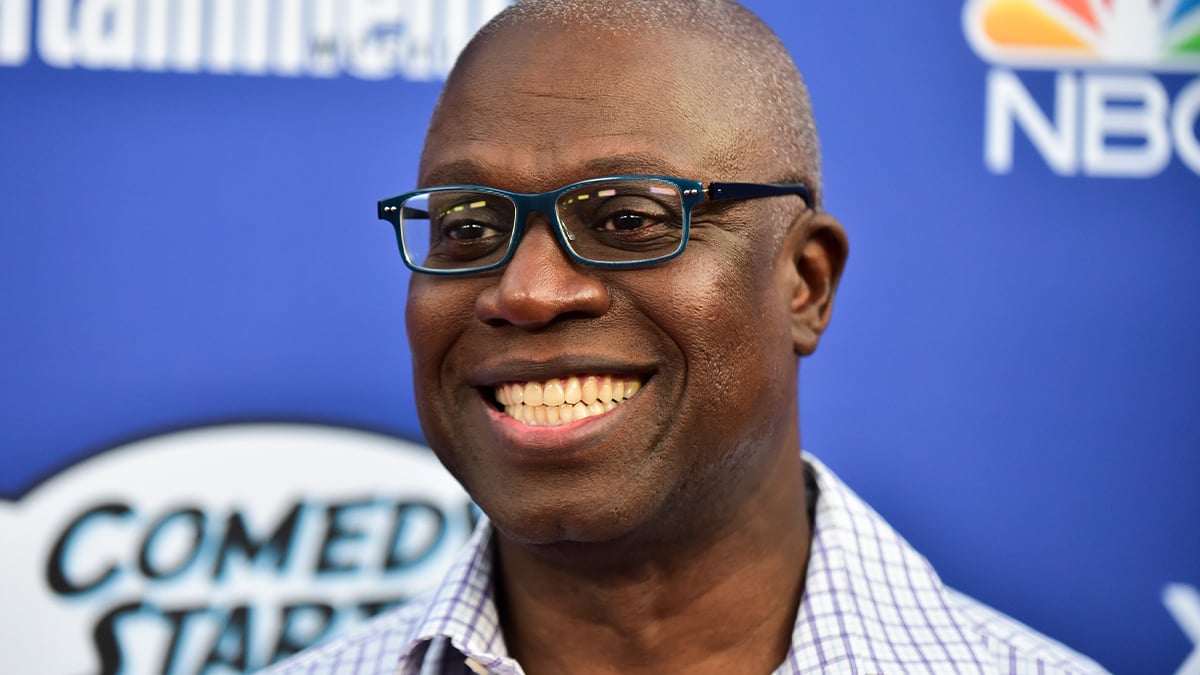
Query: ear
(816, 253)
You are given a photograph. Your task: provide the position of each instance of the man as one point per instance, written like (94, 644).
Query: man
(610, 369)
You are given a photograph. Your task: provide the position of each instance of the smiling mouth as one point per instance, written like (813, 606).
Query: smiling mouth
(560, 401)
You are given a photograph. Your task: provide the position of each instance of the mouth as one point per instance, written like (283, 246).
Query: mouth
(559, 401)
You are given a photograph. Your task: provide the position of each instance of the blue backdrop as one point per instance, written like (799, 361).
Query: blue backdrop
(1012, 377)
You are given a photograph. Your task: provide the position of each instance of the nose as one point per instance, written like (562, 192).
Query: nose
(541, 284)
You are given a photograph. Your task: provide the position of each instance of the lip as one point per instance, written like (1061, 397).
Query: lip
(497, 371)
(520, 443)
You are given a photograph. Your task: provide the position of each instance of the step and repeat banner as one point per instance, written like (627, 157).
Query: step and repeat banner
(209, 456)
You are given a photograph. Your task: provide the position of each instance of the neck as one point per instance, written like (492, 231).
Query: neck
(722, 599)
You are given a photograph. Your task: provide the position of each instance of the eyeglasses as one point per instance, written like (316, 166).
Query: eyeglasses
(614, 221)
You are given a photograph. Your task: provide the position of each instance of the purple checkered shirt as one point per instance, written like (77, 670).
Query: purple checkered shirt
(871, 604)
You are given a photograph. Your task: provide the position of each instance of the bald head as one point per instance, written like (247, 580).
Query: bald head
(737, 65)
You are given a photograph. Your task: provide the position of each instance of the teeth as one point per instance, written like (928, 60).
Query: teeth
(562, 401)
(533, 394)
(573, 393)
(552, 394)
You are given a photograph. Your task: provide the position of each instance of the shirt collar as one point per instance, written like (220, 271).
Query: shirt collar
(869, 597)
(463, 611)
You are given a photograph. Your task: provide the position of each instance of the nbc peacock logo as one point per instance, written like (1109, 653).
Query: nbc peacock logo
(1153, 34)
(1118, 109)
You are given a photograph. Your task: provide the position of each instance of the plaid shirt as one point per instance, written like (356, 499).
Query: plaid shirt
(871, 604)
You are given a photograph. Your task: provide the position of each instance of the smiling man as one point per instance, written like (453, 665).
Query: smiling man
(619, 258)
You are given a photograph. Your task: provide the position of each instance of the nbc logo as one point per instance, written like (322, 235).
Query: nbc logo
(1111, 113)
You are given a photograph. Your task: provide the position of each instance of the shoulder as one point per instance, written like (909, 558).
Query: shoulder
(895, 613)
(1014, 647)
(372, 647)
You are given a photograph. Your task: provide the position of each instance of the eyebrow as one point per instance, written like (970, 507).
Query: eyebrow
(633, 163)
(454, 172)
(473, 171)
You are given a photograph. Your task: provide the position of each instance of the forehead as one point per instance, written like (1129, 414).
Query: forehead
(532, 110)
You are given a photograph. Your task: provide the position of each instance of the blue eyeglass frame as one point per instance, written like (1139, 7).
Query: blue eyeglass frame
(692, 192)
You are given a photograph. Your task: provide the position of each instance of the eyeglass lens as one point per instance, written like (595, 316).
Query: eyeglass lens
(609, 221)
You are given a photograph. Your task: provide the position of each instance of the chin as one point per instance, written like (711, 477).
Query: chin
(564, 522)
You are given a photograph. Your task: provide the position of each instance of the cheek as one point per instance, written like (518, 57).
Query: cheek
(732, 329)
(435, 314)
(419, 322)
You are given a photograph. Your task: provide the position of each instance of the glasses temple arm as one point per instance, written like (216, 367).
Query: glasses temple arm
(406, 212)
(720, 191)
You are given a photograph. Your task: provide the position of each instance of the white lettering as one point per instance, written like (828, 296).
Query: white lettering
(222, 41)
(106, 36)
(370, 39)
(1145, 121)
(256, 36)
(155, 26)
(1010, 104)
(1183, 125)
(1110, 125)
(189, 36)
(290, 41)
(323, 48)
(370, 35)
(416, 41)
(55, 45)
(455, 34)
(1183, 603)
(14, 32)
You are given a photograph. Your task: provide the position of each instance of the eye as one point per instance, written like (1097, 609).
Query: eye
(623, 219)
(469, 228)
(627, 222)
(468, 231)
(469, 220)
(629, 214)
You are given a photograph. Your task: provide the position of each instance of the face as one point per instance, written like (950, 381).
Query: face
(692, 361)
